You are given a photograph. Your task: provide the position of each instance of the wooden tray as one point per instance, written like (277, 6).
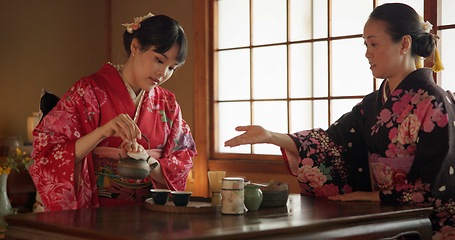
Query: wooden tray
(192, 207)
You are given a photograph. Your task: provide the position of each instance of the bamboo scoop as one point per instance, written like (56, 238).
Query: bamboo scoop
(215, 179)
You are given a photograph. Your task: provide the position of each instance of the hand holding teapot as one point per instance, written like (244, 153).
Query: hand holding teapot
(137, 165)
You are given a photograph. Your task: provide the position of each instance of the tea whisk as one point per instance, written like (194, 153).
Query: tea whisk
(215, 180)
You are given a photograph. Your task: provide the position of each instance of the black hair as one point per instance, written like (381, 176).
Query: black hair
(402, 20)
(161, 32)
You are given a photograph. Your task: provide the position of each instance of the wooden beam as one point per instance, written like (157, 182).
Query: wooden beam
(201, 96)
(108, 30)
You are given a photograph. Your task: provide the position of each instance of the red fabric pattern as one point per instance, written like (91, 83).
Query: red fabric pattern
(91, 102)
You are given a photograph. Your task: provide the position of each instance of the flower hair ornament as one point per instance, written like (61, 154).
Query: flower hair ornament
(427, 26)
(131, 27)
(437, 63)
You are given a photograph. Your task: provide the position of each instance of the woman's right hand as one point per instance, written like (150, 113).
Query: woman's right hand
(252, 134)
(256, 134)
(121, 126)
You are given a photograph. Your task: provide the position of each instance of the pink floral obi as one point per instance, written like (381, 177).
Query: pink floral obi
(389, 172)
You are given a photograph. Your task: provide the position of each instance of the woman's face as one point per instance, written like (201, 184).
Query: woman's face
(151, 69)
(384, 55)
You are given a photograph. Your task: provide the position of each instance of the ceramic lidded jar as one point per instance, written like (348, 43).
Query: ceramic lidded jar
(232, 192)
(252, 197)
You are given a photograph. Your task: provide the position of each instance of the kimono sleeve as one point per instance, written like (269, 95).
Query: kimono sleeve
(60, 183)
(176, 162)
(349, 132)
(334, 161)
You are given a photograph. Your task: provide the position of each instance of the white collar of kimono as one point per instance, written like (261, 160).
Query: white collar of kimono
(386, 90)
(137, 99)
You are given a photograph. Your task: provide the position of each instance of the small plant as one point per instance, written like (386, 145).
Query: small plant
(15, 161)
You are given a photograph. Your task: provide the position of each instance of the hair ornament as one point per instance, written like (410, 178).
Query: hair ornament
(426, 25)
(437, 63)
(131, 27)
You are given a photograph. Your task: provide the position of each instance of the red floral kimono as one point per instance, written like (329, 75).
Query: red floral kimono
(92, 102)
(407, 139)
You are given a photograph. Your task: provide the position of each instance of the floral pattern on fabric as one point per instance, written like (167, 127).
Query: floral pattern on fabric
(446, 233)
(413, 112)
(314, 175)
(387, 177)
(408, 137)
(91, 102)
(445, 212)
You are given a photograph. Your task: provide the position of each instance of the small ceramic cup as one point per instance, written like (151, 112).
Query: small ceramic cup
(160, 196)
(181, 198)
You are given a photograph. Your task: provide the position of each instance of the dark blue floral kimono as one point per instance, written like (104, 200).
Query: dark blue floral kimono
(401, 144)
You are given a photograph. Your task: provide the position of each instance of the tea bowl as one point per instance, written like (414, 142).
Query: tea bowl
(181, 198)
(160, 196)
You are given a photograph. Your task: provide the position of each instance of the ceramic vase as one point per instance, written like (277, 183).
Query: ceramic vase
(5, 204)
(252, 197)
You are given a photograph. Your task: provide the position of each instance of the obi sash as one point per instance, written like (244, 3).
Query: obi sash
(110, 184)
(389, 172)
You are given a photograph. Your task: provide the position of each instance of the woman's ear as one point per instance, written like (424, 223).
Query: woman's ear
(134, 47)
(406, 43)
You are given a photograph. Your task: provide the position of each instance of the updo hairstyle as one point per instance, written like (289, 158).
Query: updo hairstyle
(402, 20)
(161, 32)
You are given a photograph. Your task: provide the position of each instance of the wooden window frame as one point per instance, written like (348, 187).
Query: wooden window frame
(207, 158)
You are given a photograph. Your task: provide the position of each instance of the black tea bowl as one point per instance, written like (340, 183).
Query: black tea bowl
(160, 196)
(181, 198)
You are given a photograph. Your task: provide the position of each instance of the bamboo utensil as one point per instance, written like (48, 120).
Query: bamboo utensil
(215, 179)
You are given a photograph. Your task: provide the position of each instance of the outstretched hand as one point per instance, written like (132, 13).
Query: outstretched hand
(252, 134)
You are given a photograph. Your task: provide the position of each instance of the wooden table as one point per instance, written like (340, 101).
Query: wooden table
(302, 218)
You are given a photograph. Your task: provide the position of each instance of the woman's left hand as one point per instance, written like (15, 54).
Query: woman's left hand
(357, 196)
(140, 154)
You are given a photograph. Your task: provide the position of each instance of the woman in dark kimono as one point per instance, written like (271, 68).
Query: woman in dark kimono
(403, 134)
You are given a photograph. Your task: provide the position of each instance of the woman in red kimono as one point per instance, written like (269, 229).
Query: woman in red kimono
(118, 111)
(405, 131)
